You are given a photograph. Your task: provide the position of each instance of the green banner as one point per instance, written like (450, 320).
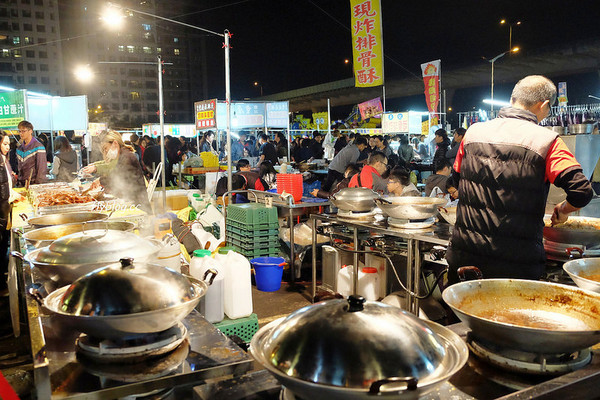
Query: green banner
(12, 109)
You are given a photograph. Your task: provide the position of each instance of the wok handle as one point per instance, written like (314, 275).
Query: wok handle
(463, 271)
(35, 292)
(18, 255)
(571, 250)
(411, 384)
(24, 217)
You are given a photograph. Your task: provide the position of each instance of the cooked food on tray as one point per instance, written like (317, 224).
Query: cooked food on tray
(62, 197)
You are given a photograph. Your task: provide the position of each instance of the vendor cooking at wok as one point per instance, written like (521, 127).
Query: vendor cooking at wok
(120, 172)
(503, 169)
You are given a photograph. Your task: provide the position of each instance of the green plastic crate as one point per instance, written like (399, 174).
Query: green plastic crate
(249, 242)
(244, 328)
(253, 215)
(235, 228)
(267, 252)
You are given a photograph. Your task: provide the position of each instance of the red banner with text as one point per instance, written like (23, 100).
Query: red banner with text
(431, 78)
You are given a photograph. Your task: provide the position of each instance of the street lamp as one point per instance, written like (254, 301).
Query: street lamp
(510, 28)
(226, 35)
(492, 61)
(256, 84)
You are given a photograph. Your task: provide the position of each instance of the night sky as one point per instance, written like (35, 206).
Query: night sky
(291, 44)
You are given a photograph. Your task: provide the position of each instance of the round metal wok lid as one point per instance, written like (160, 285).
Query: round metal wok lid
(355, 199)
(351, 343)
(96, 246)
(127, 288)
(410, 207)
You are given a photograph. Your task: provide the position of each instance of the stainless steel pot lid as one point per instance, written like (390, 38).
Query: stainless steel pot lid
(351, 343)
(127, 288)
(96, 246)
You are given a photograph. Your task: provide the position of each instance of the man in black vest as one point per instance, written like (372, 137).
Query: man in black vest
(504, 168)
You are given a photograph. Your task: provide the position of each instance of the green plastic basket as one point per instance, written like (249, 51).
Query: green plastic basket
(236, 229)
(251, 243)
(253, 215)
(267, 252)
(244, 328)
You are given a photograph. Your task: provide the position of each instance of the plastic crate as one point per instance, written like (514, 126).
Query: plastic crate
(244, 328)
(248, 229)
(251, 245)
(268, 252)
(251, 233)
(252, 215)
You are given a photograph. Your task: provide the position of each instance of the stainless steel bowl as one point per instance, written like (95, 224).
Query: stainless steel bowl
(126, 299)
(354, 199)
(578, 129)
(64, 218)
(582, 270)
(410, 207)
(341, 349)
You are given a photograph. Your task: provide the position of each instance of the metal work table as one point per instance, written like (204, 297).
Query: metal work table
(60, 373)
(438, 234)
(290, 205)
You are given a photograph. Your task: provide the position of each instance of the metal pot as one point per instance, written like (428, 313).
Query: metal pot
(45, 236)
(125, 299)
(586, 237)
(561, 130)
(352, 349)
(354, 199)
(64, 218)
(448, 214)
(577, 129)
(410, 207)
(531, 316)
(72, 256)
(585, 273)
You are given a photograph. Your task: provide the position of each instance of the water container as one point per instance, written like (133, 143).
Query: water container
(238, 284)
(170, 255)
(190, 196)
(212, 303)
(344, 280)
(368, 283)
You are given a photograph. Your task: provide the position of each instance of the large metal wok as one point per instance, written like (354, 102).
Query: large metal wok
(77, 254)
(45, 236)
(585, 273)
(586, 237)
(64, 218)
(126, 299)
(344, 350)
(356, 199)
(410, 207)
(532, 316)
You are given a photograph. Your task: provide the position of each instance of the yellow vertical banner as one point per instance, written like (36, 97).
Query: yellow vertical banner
(367, 42)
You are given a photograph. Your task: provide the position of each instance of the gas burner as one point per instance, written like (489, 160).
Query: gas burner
(112, 374)
(356, 215)
(411, 223)
(132, 349)
(530, 363)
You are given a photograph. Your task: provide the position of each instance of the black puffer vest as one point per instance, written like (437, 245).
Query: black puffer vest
(502, 196)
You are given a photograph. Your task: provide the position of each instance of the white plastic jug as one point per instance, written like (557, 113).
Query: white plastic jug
(212, 303)
(368, 283)
(344, 280)
(238, 284)
(170, 254)
(190, 196)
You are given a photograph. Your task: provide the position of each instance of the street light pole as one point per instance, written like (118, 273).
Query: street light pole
(492, 61)
(161, 119)
(226, 35)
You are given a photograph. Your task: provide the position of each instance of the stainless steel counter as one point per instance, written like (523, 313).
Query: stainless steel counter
(60, 373)
(438, 234)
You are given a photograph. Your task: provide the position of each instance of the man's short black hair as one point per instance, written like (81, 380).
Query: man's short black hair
(264, 137)
(441, 164)
(360, 140)
(242, 163)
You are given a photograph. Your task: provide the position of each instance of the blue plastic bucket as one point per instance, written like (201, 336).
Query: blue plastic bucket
(268, 271)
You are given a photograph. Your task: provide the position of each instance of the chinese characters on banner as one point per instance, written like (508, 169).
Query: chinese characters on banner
(205, 112)
(367, 42)
(431, 77)
(12, 109)
(370, 108)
